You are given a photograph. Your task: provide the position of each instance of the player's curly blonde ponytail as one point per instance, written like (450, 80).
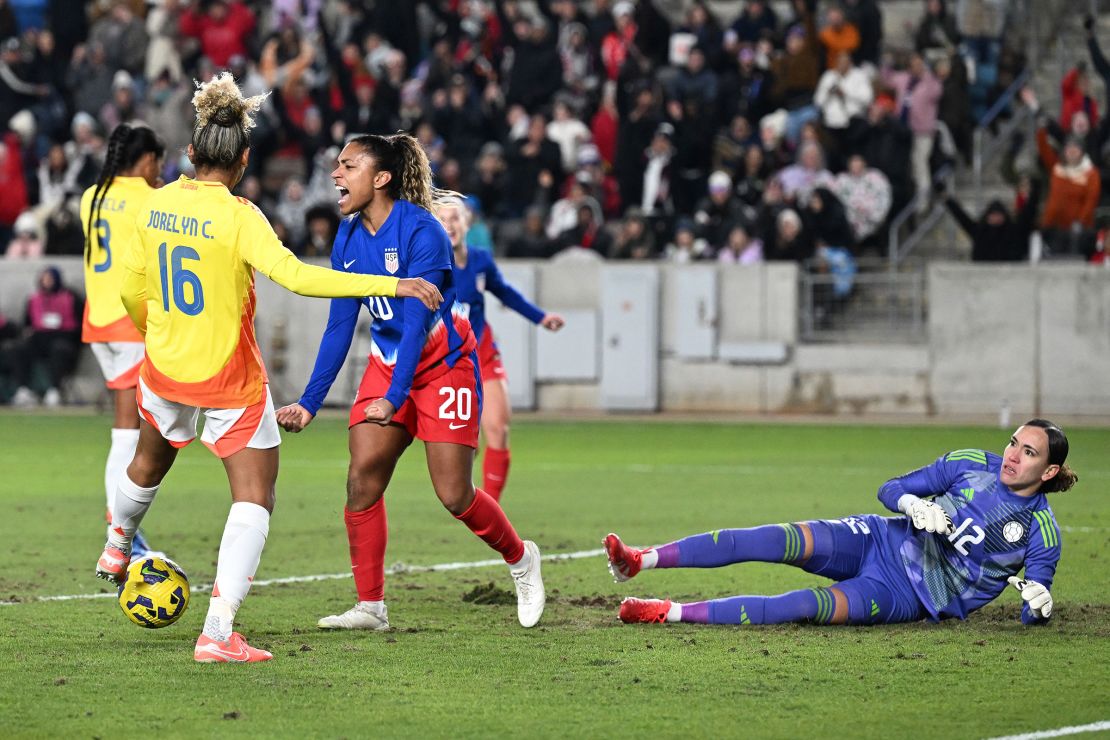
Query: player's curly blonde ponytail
(224, 119)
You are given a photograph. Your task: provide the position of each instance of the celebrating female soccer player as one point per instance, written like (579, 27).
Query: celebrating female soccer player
(189, 288)
(947, 557)
(108, 212)
(475, 273)
(422, 380)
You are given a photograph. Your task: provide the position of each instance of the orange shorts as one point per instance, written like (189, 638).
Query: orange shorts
(448, 408)
(489, 357)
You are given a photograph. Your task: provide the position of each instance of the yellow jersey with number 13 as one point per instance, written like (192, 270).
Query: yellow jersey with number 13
(106, 320)
(190, 289)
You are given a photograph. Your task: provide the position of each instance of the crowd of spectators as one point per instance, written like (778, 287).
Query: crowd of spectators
(790, 131)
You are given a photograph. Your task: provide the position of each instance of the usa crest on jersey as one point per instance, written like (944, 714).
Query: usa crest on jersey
(391, 262)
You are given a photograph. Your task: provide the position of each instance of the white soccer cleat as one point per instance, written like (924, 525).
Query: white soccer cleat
(358, 617)
(530, 596)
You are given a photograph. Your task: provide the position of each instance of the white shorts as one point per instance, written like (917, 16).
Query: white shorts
(226, 431)
(119, 362)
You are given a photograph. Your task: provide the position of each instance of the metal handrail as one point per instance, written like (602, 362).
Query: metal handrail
(897, 249)
(982, 152)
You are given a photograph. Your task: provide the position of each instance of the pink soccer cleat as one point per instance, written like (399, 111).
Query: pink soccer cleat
(234, 650)
(112, 564)
(624, 561)
(644, 611)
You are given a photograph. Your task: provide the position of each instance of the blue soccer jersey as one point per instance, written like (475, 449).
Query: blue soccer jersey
(480, 274)
(412, 342)
(996, 533)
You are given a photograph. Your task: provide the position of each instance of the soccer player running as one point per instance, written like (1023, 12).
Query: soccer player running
(475, 273)
(988, 518)
(108, 212)
(421, 381)
(189, 288)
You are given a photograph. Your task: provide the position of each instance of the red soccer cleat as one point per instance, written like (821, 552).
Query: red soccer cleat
(644, 611)
(624, 561)
(234, 650)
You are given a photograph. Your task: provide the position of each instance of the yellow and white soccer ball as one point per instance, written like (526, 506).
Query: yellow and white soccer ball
(154, 592)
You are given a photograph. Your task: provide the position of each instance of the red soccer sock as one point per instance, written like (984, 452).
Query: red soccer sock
(367, 534)
(495, 471)
(486, 519)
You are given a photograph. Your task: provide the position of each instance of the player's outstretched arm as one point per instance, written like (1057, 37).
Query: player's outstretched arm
(294, 417)
(552, 322)
(421, 290)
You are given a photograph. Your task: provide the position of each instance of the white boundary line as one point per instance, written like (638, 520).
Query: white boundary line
(394, 569)
(1059, 732)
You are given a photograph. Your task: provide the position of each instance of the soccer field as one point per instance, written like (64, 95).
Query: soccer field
(453, 667)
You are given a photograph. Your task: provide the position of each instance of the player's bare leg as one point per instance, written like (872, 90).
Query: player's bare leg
(252, 474)
(496, 413)
(375, 451)
(135, 492)
(451, 466)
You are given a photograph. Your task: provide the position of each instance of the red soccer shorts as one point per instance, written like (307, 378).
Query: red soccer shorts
(447, 408)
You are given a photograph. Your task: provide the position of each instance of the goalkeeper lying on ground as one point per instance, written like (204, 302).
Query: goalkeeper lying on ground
(988, 518)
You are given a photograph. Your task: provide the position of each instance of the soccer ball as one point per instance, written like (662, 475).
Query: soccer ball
(154, 592)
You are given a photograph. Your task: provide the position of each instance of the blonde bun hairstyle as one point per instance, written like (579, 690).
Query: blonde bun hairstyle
(221, 132)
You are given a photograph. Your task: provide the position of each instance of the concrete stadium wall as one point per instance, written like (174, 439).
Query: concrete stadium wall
(1035, 339)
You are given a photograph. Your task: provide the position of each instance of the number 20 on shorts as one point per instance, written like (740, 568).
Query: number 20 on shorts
(458, 404)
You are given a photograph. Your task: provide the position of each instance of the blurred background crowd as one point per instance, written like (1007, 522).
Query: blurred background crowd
(783, 131)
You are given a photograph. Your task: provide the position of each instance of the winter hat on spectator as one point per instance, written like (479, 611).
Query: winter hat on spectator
(122, 79)
(588, 154)
(746, 54)
(684, 223)
(665, 129)
(719, 181)
(774, 123)
(797, 30)
(789, 215)
(23, 124)
(81, 119)
(491, 149)
(27, 225)
(624, 7)
(10, 44)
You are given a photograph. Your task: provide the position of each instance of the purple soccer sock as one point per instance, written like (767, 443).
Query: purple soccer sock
(774, 543)
(814, 605)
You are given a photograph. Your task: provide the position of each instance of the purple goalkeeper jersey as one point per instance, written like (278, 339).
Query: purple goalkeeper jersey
(996, 533)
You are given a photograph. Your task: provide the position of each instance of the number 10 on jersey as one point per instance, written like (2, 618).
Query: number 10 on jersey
(180, 276)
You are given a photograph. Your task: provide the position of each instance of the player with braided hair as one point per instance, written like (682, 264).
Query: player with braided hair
(108, 211)
(189, 288)
(422, 380)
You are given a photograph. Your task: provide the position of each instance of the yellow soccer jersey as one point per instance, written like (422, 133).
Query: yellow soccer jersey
(106, 320)
(190, 286)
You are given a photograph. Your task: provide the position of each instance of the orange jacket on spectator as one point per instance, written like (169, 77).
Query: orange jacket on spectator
(836, 40)
(1072, 100)
(1072, 192)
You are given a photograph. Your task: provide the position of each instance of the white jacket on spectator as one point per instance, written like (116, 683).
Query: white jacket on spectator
(842, 96)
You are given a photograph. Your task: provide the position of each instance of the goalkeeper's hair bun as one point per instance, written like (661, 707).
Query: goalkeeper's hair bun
(224, 119)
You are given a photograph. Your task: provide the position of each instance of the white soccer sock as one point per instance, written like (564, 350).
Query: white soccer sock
(648, 559)
(120, 455)
(240, 550)
(674, 614)
(131, 504)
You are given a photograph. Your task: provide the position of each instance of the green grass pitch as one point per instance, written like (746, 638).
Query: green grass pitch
(451, 668)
